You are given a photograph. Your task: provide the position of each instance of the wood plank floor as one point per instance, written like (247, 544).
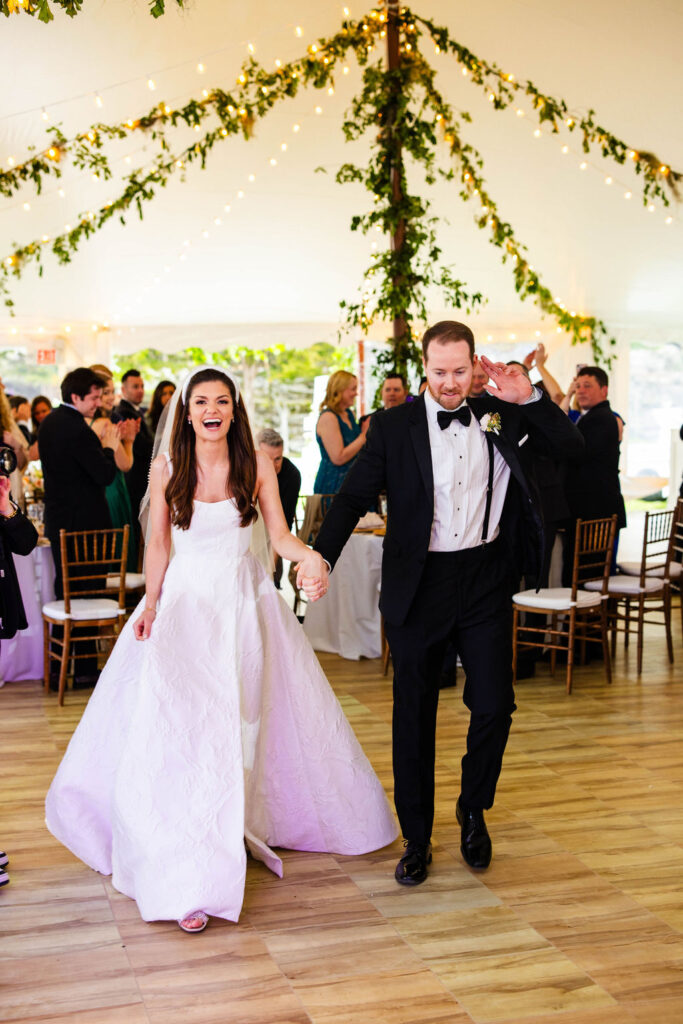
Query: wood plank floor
(579, 920)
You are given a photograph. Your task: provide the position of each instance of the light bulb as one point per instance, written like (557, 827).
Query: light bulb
(346, 69)
(99, 102)
(273, 161)
(227, 208)
(27, 206)
(608, 180)
(296, 127)
(151, 84)
(44, 114)
(583, 165)
(283, 146)
(217, 222)
(627, 195)
(537, 133)
(651, 208)
(240, 194)
(565, 149)
(519, 112)
(200, 69)
(298, 31)
(318, 110)
(252, 177)
(669, 220)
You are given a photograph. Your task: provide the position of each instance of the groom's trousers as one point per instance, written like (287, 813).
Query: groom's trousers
(463, 597)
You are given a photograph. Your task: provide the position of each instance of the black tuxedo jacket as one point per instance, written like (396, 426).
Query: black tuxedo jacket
(138, 474)
(18, 536)
(397, 459)
(592, 482)
(76, 470)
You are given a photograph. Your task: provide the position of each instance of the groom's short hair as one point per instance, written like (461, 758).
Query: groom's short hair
(445, 331)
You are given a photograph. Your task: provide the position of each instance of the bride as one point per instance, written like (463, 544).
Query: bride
(219, 729)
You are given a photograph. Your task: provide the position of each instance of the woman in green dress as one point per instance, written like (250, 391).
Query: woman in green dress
(118, 500)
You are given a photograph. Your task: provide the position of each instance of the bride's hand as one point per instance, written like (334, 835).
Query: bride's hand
(312, 575)
(142, 627)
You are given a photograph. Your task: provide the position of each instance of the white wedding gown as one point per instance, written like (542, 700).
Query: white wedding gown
(220, 727)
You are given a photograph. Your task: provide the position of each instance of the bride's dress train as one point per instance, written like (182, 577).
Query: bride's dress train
(219, 728)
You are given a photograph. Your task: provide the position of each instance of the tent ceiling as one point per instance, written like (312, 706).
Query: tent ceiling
(284, 253)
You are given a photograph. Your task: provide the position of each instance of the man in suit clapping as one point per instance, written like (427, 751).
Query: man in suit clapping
(463, 525)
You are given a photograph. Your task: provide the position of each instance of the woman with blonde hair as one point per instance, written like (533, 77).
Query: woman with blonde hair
(339, 436)
(13, 438)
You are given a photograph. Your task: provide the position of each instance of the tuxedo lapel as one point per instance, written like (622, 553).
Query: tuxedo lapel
(419, 435)
(502, 442)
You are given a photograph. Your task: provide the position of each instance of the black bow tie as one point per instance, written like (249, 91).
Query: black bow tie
(463, 414)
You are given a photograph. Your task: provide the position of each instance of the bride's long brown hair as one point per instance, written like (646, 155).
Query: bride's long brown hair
(241, 482)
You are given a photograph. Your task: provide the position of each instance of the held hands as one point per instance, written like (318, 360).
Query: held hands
(128, 429)
(312, 575)
(510, 383)
(142, 628)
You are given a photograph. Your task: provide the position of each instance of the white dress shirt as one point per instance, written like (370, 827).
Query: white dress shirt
(460, 465)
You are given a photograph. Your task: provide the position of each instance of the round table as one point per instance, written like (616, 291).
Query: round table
(22, 656)
(347, 620)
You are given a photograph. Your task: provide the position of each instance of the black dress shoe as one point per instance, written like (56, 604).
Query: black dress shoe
(475, 842)
(412, 867)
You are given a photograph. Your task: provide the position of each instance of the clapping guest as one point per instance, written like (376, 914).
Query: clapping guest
(77, 467)
(162, 393)
(116, 492)
(339, 436)
(130, 408)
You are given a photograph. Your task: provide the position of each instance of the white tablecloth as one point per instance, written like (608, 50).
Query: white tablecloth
(22, 656)
(347, 620)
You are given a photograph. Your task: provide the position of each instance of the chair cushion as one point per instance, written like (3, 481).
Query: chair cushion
(84, 608)
(633, 569)
(626, 585)
(556, 599)
(134, 580)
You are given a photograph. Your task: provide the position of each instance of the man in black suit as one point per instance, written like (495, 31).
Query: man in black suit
(130, 408)
(463, 525)
(592, 481)
(77, 467)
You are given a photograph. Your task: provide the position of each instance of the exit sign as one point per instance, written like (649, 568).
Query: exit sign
(47, 355)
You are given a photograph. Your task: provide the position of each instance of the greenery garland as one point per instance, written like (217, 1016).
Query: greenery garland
(410, 113)
(70, 7)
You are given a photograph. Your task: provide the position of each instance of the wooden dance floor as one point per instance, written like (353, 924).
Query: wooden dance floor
(579, 920)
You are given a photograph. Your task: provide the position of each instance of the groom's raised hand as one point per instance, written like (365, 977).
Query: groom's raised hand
(510, 383)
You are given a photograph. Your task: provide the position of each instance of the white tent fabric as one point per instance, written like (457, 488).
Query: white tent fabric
(283, 255)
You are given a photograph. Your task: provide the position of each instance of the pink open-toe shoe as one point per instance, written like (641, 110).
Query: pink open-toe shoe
(188, 924)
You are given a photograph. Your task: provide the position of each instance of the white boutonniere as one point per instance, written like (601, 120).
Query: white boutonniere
(490, 423)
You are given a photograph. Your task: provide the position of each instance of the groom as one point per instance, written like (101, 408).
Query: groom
(463, 526)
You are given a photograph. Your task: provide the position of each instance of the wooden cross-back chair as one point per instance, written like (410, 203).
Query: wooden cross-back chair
(676, 555)
(89, 559)
(584, 613)
(643, 588)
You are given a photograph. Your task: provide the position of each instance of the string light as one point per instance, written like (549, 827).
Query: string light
(151, 84)
(298, 31)
(99, 102)
(273, 161)
(296, 127)
(318, 110)
(627, 195)
(227, 208)
(251, 48)
(27, 206)
(583, 165)
(608, 180)
(240, 194)
(537, 133)
(252, 177)
(200, 69)
(44, 114)
(519, 112)
(565, 149)
(669, 220)
(651, 208)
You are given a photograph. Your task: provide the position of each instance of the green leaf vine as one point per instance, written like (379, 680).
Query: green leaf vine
(404, 114)
(70, 7)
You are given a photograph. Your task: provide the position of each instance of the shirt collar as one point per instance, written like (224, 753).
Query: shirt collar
(433, 407)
